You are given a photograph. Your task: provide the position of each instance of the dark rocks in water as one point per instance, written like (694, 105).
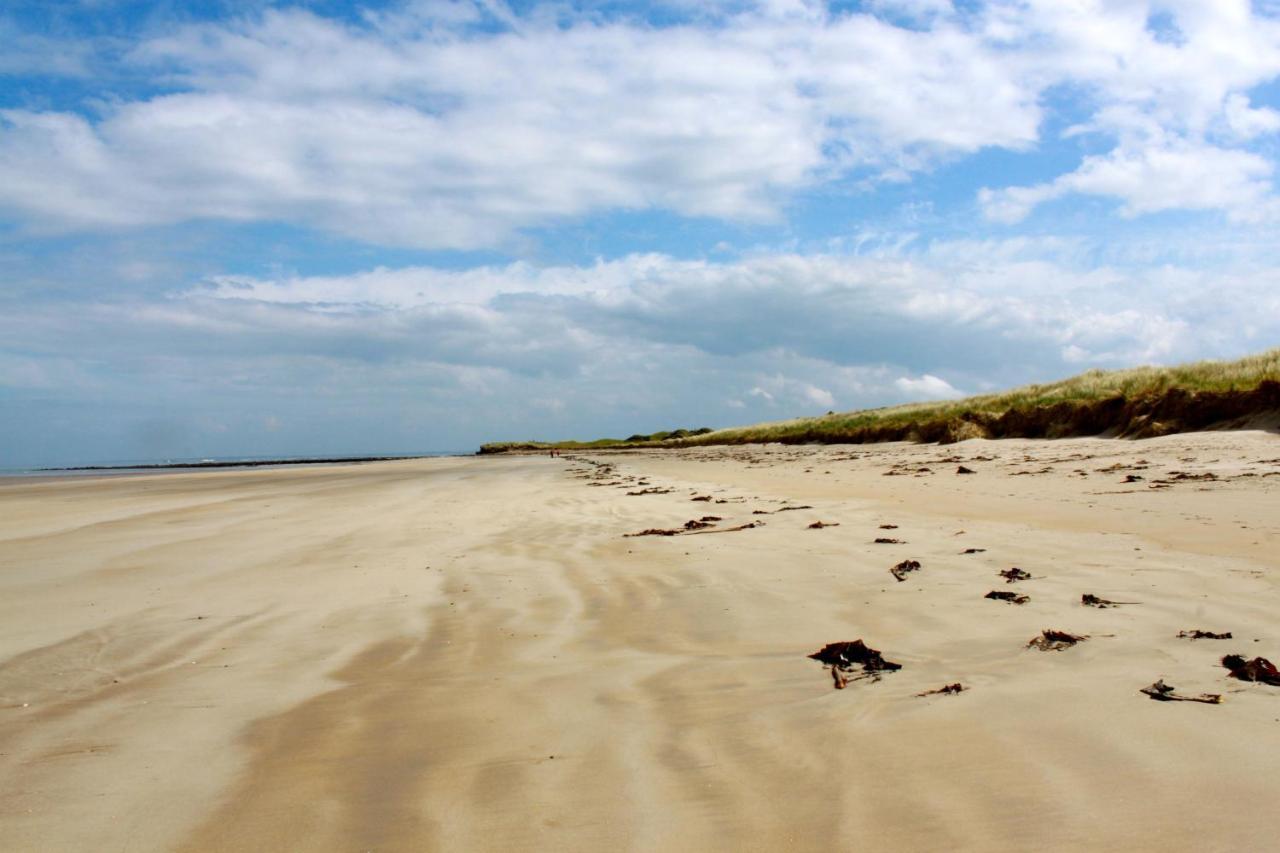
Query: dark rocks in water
(1055, 641)
(1197, 634)
(1258, 669)
(901, 570)
(1014, 574)
(1162, 692)
(947, 690)
(818, 525)
(884, 540)
(845, 657)
(964, 470)
(1011, 597)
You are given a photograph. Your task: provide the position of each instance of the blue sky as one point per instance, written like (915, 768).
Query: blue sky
(257, 228)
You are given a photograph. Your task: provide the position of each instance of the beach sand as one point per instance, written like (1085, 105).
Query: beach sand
(468, 654)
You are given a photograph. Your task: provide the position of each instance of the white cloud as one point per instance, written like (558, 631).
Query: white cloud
(927, 387)
(632, 345)
(966, 308)
(1247, 122)
(819, 396)
(1148, 179)
(1175, 108)
(414, 132)
(417, 128)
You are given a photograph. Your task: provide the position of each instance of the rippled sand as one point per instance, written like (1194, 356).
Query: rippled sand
(468, 654)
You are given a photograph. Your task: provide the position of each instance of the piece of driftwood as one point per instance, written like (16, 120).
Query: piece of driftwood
(1162, 692)
(1197, 634)
(1014, 574)
(904, 568)
(1258, 669)
(1055, 641)
(818, 525)
(1011, 597)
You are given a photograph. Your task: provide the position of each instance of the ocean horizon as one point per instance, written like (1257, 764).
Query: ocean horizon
(185, 463)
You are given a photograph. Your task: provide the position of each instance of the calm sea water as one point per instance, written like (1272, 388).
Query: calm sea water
(116, 467)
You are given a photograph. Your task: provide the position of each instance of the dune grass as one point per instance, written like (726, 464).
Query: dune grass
(1079, 405)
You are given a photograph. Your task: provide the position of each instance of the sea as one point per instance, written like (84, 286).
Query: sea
(120, 467)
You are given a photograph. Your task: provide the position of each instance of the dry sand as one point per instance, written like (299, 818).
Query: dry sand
(467, 654)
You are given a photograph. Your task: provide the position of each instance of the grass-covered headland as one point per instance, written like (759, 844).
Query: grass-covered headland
(1140, 402)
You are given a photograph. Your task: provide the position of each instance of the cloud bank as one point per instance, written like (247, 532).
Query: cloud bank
(428, 224)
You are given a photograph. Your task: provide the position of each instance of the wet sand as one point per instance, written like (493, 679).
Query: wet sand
(468, 654)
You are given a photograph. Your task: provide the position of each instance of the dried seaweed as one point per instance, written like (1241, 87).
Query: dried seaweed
(818, 525)
(1258, 669)
(1014, 574)
(1090, 600)
(1055, 641)
(947, 690)
(1197, 634)
(1011, 597)
(901, 570)
(844, 657)
(884, 540)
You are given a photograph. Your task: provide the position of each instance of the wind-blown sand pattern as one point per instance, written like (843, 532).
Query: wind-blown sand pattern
(471, 654)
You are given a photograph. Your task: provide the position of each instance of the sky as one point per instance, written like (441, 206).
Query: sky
(251, 228)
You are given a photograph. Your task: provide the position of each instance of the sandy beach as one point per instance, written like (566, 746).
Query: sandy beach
(471, 654)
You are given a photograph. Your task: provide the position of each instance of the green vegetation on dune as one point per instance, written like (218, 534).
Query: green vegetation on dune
(1137, 403)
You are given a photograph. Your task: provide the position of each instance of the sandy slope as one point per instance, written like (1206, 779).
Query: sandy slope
(466, 654)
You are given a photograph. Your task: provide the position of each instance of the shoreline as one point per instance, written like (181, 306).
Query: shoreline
(53, 473)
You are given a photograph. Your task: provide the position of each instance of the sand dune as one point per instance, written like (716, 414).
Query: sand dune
(469, 654)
